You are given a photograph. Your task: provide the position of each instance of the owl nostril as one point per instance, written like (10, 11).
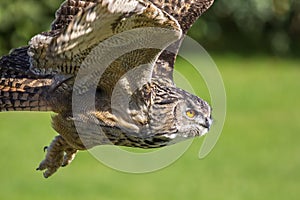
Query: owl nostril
(207, 123)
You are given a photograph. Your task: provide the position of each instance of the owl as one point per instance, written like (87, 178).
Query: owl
(105, 68)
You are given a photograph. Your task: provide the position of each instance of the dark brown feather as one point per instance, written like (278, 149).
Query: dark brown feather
(186, 12)
(20, 90)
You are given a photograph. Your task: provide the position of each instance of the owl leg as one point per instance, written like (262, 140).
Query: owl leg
(59, 153)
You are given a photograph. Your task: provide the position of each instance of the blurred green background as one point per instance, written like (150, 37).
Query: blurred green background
(255, 45)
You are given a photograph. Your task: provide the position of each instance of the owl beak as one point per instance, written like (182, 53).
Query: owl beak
(207, 123)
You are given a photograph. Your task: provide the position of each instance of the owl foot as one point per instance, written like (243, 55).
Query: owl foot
(59, 154)
(69, 156)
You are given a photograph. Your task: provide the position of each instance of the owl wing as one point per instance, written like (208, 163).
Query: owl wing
(186, 12)
(66, 13)
(85, 29)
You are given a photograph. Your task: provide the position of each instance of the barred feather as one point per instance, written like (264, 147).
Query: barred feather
(19, 90)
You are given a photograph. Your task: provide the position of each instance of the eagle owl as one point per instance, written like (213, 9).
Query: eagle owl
(44, 76)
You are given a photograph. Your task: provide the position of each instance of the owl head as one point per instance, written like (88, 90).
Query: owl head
(178, 115)
(192, 116)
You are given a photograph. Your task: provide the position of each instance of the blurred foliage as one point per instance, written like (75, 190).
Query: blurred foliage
(251, 26)
(21, 20)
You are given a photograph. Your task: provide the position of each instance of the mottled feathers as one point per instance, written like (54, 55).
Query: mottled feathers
(73, 56)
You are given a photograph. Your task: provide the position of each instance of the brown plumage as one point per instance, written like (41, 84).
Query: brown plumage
(47, 76)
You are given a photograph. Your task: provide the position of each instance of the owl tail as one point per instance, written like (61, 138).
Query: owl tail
(20, 91)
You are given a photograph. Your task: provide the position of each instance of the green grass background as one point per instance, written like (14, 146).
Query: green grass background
(256, 157)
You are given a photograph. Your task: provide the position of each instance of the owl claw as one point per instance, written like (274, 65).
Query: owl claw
(59, 154)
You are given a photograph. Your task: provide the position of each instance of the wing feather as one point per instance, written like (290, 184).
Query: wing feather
(80, 26)
(65, 14)
(186, 12)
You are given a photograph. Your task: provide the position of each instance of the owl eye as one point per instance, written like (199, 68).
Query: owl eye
(190, 113)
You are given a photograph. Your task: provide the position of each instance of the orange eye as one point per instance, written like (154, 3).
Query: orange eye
(190, 113)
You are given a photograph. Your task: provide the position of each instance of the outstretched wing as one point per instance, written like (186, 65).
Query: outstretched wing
(80, 26)
(186, 12)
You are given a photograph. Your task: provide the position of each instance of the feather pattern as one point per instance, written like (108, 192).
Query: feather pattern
(85, 36)
(186, 12)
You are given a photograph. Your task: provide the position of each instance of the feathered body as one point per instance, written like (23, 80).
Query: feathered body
(42, 77)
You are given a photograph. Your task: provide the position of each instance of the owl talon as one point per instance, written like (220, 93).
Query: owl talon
(55, 157)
